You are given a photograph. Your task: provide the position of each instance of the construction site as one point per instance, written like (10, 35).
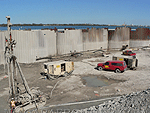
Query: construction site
(52, 69)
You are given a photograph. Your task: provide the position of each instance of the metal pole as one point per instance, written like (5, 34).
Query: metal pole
(8, 23)
(16, 70)
(13, 83)
(5, 58)
(24, 80)
(9, 78)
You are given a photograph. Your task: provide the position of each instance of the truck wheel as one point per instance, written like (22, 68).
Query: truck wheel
(117, 70)
(100, 68)
(66, 74)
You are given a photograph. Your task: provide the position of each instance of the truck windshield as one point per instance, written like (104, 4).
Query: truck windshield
(45, 66)
(107, 63)
(130, 52)
(124, 64)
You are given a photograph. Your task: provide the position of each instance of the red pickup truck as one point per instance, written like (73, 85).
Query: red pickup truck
(129, 53)
(117, 66)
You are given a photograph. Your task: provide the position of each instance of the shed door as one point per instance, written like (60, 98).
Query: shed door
(63, 67)
(52, 69)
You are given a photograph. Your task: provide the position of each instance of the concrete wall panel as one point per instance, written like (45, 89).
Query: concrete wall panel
(140, 34)
(70, 40)
(42, 43)
(60, 42)
(34, 44)
(23, 46)
(95, 39)
(117, 44)
(118, 37)
(2, 44)
(139, 43)
(140, 37)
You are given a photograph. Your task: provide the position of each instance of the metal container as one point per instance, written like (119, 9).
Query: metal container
(58, 68)
(131, 61)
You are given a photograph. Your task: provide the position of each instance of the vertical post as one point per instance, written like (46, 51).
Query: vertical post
(9, 78)
(23, 80)
(56, 42)
(8, 23)
(13, 82)
(5, 58)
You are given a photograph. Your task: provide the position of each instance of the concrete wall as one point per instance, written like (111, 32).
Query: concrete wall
(68, 41)
(95, 39)
(118, 37)
(42, 43)
(139, 43)
(140, 37)
(31, 44)
(2, 44)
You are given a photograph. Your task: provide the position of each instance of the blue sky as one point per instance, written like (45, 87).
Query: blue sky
(117, 12)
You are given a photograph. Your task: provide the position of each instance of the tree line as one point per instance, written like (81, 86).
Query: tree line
(33, 24)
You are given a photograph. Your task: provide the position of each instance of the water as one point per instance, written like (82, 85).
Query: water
(62, 27)
(94, 81)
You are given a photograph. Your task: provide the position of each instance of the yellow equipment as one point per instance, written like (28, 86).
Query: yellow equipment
(131, 61)
(57, 68)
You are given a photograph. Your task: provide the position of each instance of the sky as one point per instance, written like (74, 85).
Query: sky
(118, 12)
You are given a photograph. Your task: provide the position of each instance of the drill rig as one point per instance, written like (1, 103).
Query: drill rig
(25, 98)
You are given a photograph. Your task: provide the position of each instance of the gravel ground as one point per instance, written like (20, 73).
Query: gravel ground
(138, 102)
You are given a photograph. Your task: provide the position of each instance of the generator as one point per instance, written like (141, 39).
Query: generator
(131, 61)
(58, 68)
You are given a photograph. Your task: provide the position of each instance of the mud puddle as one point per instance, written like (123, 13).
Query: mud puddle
(98, 81)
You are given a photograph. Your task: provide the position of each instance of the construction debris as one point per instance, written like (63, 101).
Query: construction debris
(123, 47)
(75, 54)
(41, 58)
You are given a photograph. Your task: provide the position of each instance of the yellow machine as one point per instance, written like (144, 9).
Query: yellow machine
(131, 61)
(58, 68)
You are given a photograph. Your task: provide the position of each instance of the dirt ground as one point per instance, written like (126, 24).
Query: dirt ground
(74, 88)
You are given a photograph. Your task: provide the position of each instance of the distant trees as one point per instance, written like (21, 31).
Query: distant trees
(34, 24)
(3, 25)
